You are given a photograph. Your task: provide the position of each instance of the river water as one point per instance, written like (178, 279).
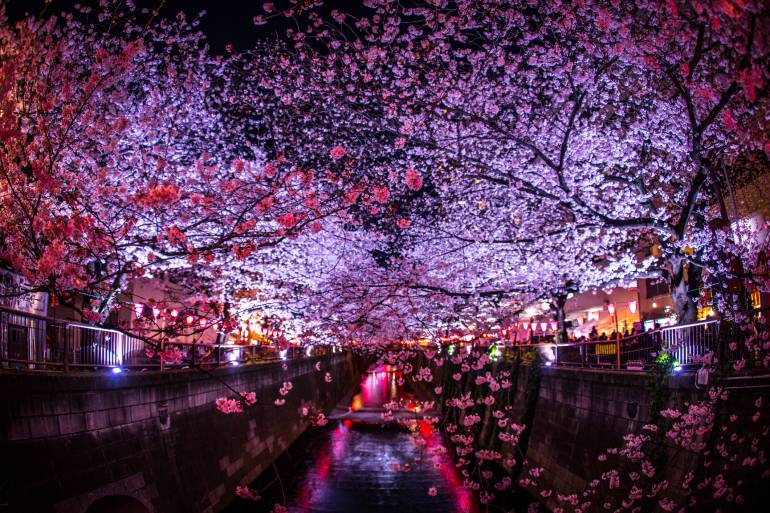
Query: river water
(356, 463)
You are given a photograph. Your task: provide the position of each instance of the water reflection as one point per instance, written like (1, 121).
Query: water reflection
(358, 464)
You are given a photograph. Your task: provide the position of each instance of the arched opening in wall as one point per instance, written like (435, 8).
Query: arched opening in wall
(117, 504)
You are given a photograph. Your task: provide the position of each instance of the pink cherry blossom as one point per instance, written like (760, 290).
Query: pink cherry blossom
(337, 152)
(413, 179)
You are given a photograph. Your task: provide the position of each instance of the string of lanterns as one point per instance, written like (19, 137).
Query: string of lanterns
(203, 322)
(591, 316)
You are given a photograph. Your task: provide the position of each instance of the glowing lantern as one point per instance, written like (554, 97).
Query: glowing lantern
(190, 319)
(632, 306)
(155, 311)
(554, 325)
(543, 326)
(174, 313)
(425, 429)
(525, 325)
(611, 308)
(580, 321)
(202, 322)
(139, 309)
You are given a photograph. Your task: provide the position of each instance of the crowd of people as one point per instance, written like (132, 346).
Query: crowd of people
(635, 332)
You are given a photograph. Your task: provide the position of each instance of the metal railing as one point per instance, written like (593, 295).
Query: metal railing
(38, 342)
(687, 344)
(42, 343)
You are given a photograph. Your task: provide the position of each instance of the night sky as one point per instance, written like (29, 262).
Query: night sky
(226, 21)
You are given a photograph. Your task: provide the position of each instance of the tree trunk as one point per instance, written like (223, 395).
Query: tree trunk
(679, 282)
(558, 306)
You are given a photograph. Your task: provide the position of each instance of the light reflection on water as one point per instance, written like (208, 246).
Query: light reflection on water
(348, 466)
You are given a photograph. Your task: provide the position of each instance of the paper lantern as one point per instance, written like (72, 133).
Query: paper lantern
(174, 313)
(543, 326)
(632, 306)
(190, 319)
(525, 325)
(155, 311)
(139, 309)
(611, 308)
(554, 325)
(580, 321)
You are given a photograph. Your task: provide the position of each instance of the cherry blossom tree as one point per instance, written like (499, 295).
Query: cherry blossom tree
(605, 116)
(123, 154)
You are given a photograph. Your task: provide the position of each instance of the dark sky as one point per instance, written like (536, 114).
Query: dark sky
(226, 21)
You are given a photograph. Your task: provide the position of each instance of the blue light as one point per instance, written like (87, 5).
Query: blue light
(548, 363)
(677, 368)
(116, 370)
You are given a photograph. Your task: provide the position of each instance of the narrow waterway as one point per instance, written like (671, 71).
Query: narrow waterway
(360, 464)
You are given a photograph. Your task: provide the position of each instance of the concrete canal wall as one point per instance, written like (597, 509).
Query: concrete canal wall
(150, 442)
(576, 414)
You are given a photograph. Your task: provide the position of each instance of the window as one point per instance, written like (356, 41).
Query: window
(656, 287)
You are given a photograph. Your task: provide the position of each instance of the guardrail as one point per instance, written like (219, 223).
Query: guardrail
(42, 343)
(686, 344)
(39, 342)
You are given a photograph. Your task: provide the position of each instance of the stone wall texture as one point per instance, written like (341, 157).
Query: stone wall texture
(576, 414)
(68, 440)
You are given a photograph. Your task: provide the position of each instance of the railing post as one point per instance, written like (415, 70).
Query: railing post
(66, 350)
(617, 352)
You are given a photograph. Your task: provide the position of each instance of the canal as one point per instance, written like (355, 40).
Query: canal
(360, 463)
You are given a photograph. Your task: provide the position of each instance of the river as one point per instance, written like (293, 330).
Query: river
(358, 463)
